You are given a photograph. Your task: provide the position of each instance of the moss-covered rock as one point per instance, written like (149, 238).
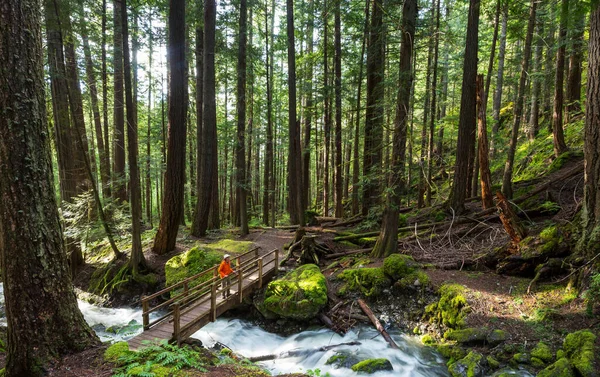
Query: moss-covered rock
(427, 340)
(155, 370)
(543, 352)
(495, 337)
(397, 266)
(469, 336)
(116, 351)
(451, 309)
(343, 360)
(521, 358)
(472, 365)
(372, 366)
(417, 278)
(451, 352)
(561, 368)
(300, 294)
(492, 363)
(190, 263)
(369, 281)
(231, 246)
(537, 363)
(579, 347)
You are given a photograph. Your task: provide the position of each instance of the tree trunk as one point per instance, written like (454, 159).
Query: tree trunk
(433, 106)
(268, 193)
(467, 120)
(106, 190)
(575, 59)
(483, 149)
(241, 181)
(374, 112)
(500, 77)
(295, 153)
(560, 146)
(549, 71)
(43, 319)
(387, 243)
(589, 243)
(175, 173)
(149, 130)
(326, 110)
(534, 116)
(339, 184)
(308, 108)
(91, 81)
(119, 188)
(510, 159)
(426, 111)
(137, 260)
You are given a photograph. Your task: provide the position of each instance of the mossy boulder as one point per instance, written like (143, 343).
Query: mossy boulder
(521, 358)
(561, 368)
(492, 363)
(427, 340)
(469, 336)
(299, 295)
(372, 365)
(495, 337)
(472, 365)
(368, 281)
(415, 279)
(190, 263)
(452, 307)
(117, 350)
(397, 266)
(543, 352)
(579, 347)
(231, 246)
(343, 360)
(129, 329)
(451, 352)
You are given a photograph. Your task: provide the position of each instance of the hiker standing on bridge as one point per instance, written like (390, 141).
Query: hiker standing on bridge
(225, 271)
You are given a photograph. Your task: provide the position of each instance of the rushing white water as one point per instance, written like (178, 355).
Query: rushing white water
(412, 359)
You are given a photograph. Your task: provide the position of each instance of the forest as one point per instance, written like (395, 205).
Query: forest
(438, 161)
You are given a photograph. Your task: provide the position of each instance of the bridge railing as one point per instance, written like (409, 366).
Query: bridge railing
(199, 294)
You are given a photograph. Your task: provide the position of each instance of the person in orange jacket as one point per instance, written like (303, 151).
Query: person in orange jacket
(225, 271)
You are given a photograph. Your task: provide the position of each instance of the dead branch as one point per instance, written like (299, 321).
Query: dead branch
(376, 323)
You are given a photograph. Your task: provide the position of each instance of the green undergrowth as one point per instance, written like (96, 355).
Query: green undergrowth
(452, 307)
(116, 276)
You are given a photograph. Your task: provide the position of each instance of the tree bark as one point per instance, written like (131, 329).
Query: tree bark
(500, 77)
(149, 131)
(175, 173)
(308, 108)
(426, 110)
(326, 111)
(339, 184)
(108, 192)
(483, 149)
(43, 319)
(589, 242)
(119, 188)
(575, 59)
(387, 243)
(467, 120)
(374, 113)
(508, 167)
(269, 181)
(433, 106)
(534, 116)
(560, 146)
(241, 182)
(295, 153)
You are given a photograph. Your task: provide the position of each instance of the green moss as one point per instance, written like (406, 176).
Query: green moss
(427, 340)
(369, 281)
(467, 336)
(521, 358)
(496, 337)
(469, 366)
(451, 352)
(116, 351)
(397, 266)
(561, 368)
(579, 347)
(300, 294)
(155, 370)
(231, 246)
(561, 160)
(537, 363)
(493, 363)
(190, 263)
(543, 352)
(342, 360)
(372, 366)
(347, 244)
(438, 216)
(452, 307)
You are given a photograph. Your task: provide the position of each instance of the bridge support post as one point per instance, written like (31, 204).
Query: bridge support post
(260, 272)
(145, 314)
(176, 324)
(276, 261)
(213, 302)
(240, 279)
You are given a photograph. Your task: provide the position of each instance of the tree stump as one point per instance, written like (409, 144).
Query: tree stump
(510, 221)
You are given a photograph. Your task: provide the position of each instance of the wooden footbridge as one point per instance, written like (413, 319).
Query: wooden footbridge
(197, 300)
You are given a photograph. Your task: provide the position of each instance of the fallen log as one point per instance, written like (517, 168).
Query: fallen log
(510, 220)
(375, 321)
(296, 353)
(345, 253)
(329, 323)
(344, 223)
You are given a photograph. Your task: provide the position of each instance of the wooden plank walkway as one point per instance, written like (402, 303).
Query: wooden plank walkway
(195, 307)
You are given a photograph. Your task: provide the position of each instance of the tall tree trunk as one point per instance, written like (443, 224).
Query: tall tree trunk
(106, 190)
(560, 146)
(355, 159)
(575, 59)
(549, 68)
(91, 81)
(374, 112)
(534, 115)
(339, 184)
(488, 78)
(149, 129)
(433, 105)
(326, 110)
(426, 111)
(137, 260)
(119, 188)
(175, 173)
(268, 194)
(241, 182)
(308, 108)
(487, 199)
(439, 149)
(510, 159)
(209, 125)
(43, 319)
(467, 120)
(589, 242)
(295, 153)
(500, 78)
(387, 243)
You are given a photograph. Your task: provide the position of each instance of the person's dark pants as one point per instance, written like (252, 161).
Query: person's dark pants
(226, 284)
